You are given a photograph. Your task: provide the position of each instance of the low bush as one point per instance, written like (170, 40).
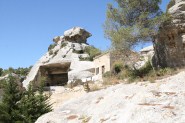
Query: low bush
(145, 73)
(51, 52)
(51, 46)
(92, 52)
(78, 51)
(63, 45)
(107, 74)
(117, 67)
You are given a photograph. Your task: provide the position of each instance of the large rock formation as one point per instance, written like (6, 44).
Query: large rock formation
(170, 43)
(76, 34)
(62, 61)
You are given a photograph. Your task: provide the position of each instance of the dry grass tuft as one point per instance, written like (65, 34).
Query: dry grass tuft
(72, 117)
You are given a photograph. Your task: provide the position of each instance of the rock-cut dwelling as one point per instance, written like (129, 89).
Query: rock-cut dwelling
(56, 74)
(62, 63)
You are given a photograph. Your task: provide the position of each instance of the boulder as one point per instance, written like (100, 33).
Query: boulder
(169, 45)
(77, 34)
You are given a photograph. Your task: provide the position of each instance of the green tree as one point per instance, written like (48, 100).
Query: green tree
(20, 106)
(34, 104)
(132, 21)
(1, 71)
(9, 107)
(171, 3)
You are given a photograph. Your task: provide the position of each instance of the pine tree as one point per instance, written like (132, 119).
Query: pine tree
(34, 104)
(9, 107)
(22, 107)
(132, 21)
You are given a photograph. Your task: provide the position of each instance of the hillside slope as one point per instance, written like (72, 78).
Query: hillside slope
(144, 102)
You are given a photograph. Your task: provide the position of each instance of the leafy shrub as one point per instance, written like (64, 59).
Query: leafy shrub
(51, 52)
(117, 67)
(84, 59)
(107, 74)
(51, 46)
(147, 73)
(63, 45)
(92, 52)
(143, 70)
(78, 51)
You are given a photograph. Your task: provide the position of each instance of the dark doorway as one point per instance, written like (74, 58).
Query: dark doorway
(56, 74)
(58, 79)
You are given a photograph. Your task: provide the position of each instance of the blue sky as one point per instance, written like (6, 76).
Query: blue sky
(27, 27)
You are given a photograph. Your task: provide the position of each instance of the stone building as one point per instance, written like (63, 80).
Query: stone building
(102, 63)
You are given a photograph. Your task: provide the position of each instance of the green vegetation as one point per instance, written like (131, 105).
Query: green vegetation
(171, 3)
(51, 46)
(1, 71)
(9, 107)
(19, 71)
(145, 73)
(117, 67)
(63, 45)
(78, 51)
(131, 22)
(20, 106)
(92, 52)
(50, 52)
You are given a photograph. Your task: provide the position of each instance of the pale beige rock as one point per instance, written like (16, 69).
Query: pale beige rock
(63, 53)
(144, 102)
(76, 34)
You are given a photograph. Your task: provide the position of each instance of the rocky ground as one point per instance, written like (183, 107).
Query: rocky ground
(142, 102)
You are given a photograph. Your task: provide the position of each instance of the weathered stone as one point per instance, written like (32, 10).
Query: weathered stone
(56, 39)
(169, 45)
(76, 34)
(63, 64)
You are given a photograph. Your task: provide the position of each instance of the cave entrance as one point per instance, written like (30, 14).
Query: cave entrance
(55, 74)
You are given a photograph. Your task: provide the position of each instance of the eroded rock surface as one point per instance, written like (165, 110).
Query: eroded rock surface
(170, 44)
(67, 50)
(76, 34)
(160, 102)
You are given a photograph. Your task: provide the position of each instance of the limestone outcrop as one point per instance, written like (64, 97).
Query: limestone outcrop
(62, 62)
(76, 35)
(170, 43)
(142, 102)
(146, 55)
